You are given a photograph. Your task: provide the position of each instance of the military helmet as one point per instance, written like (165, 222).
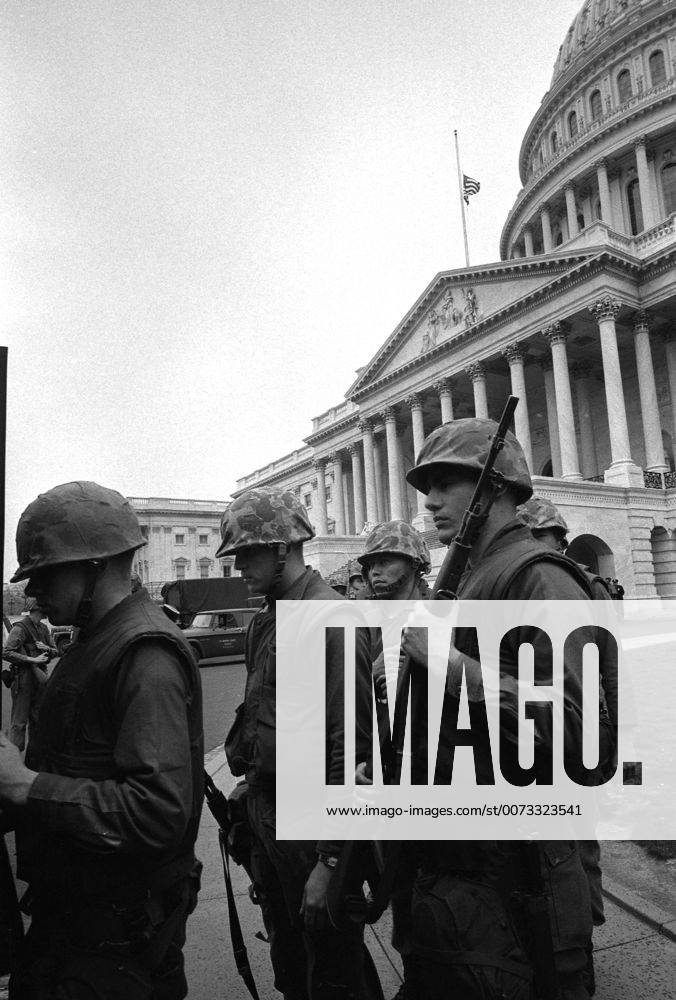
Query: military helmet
(74, 522)
(264, 517)
(32, 604)
(539, 514)
(465, 444)
(396, 538)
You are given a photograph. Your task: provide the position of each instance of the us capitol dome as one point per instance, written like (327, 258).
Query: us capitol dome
(577, 318)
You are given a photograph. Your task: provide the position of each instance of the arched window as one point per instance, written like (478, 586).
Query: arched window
(595, 106)
(572, 124)
(658, 73)
(635, 212)
(669, 187)
(624, 86)
(555, 141)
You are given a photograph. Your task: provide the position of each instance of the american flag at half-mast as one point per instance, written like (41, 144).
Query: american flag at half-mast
(469, 187)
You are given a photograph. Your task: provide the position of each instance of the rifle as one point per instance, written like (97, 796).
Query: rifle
(11, 924)
(220, 808)
(379, 862)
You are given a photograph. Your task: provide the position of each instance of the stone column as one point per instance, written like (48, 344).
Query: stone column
(586, 206)
(545, 221)
(514, 355)
(381, 499)
(622, 471)
(616, 206)
(570, 464)
(589, 462)
(670, 351)
(647, 206)
(552, 419)
(393, 462)
(415, 403)
(604, 193)
(445, 390)
(650, 411)
(338, 498)
(528, 242)
(322, 517)
(571, 210)
(366, 428)
(477, 373)
(357, 486)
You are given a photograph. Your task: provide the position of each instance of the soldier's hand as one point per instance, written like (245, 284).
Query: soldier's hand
(313, 908)
(41, 660)
(15, 778)
(363, 774)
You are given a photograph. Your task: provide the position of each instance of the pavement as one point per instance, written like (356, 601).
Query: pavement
(635, 950)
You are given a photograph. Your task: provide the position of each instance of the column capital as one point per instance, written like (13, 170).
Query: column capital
(600, 164)
(640, 140)
(641, 321)
(443, 385)
(365, 425)
(477, 372)
(544, 210)
(514, 353)
(557, 333)
(388, 414)
(353, 448)
(319, 463)
(605, 308)
(568, 186)
(336, 457)
(414, 401)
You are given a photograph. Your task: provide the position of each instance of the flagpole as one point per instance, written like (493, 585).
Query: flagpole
(462, 200)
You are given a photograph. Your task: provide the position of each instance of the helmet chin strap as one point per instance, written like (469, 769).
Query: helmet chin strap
(386, 590)
(281, 563)
(93, 568)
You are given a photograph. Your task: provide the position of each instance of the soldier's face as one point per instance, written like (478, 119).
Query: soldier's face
(388, 573)
(450, 491)
(59, 590)
(258, 566)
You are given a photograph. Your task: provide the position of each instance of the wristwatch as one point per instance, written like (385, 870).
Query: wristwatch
(329, 860)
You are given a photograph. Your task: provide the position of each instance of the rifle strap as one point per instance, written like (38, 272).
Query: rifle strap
(238, 946)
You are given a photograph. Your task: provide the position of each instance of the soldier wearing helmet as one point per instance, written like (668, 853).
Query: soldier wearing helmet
(505, 563)
(28, 649)
(112, 785)
(394, 561)
(265, 530)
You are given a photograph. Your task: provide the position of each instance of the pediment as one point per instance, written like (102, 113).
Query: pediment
(452, 304)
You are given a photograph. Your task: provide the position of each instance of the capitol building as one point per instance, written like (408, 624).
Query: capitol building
(577, 319)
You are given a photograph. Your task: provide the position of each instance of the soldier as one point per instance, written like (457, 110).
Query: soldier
(265, 531)
(471, 938)
(108, 803)
(393, 563)
(28, 649)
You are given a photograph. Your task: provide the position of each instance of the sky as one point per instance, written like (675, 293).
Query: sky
(215, 211)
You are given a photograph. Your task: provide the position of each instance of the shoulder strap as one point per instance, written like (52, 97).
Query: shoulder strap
(506, 577)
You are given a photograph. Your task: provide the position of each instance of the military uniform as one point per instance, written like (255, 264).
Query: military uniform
(20, 648)
(109, 827)
(327, 965)
(473, 938)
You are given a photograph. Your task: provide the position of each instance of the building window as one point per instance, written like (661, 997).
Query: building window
(179, 539)
(597, 209)
(180, 571)
(658, 73)
(669, 187)
(555, 141)
(580, 221)
(328, 494)
(634, 201)
(204, 571)
(572, 124)
(595, 106)
(307, 500)
(227, 569)
(204, 539)
(624, 86)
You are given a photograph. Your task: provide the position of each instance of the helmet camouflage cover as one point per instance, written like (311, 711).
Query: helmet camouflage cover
(75, 522)
(539, 514)
(465, 443)
(264, 517)
(396, 538)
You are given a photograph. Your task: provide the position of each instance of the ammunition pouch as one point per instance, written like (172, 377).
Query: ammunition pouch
(239, 838)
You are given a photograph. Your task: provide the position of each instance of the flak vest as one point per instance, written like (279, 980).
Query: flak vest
(77, 739)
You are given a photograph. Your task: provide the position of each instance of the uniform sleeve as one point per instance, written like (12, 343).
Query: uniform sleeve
(13, 649)
(147, 806)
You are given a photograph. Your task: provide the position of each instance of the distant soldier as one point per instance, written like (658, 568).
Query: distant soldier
(394, 563)
(110, 797)
(265, 531)
(472, 937)
(28, 649)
